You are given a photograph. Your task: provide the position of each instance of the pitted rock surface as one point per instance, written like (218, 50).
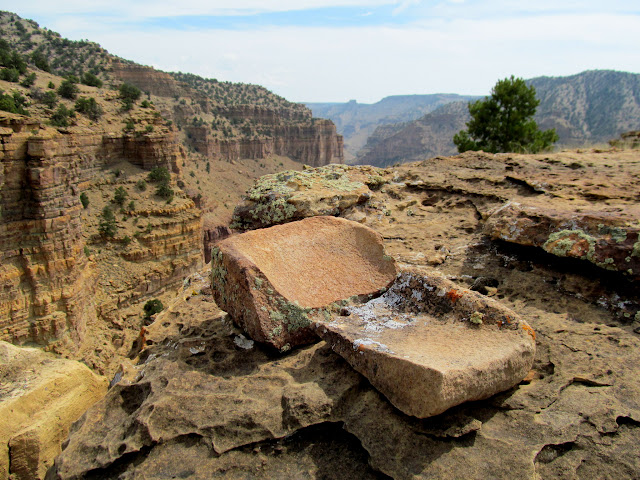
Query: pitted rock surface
(271, 280)
(428, 344)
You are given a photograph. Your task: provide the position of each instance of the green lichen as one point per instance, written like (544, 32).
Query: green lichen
(636, 249)
(285, 348)
(476, 318)
(637, 316)
(271, 194)
(618, 234)
(561, 243)
(218, 272)
(258, 281)
(375, 181)
(295, 317)
(277, 331)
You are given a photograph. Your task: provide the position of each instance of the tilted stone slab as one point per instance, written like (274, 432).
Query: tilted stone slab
(270, 281)
(428, 345)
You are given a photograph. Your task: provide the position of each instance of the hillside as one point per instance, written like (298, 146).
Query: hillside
(585, 109)
(357, 121)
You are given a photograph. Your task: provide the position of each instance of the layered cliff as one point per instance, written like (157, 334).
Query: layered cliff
(227, 121)
(51, 288)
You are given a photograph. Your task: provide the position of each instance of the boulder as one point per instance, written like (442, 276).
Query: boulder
(428, 345)
(40, 397)
(270, 281)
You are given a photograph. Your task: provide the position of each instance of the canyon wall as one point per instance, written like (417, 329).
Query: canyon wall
(47, 285)
(287, 130)
(315, 143)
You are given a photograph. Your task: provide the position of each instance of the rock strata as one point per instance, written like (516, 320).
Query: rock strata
(428, 344)
(40, 397)
(271, 280)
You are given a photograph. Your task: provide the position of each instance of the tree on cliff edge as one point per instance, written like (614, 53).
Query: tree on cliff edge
(504, 121)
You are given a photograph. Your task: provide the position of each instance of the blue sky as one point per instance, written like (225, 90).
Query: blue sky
(337, 50)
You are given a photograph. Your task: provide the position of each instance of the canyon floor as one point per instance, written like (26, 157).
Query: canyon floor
(201, 401)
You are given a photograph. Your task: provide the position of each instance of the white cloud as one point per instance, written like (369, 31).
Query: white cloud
(337, 64)
(140, 9)
(452, 47)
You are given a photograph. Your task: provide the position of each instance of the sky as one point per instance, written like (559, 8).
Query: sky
(364, 50)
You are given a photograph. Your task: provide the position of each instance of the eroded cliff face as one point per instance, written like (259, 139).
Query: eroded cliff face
(274, 130)
(314, 144)
(49, 281)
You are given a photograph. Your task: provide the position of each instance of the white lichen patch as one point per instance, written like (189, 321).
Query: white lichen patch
(243, 342)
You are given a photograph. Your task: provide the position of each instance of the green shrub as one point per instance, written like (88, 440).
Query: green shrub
(108, 225)
(13, 103)
(159, 174)
(40, 61)
(126, 240)
(91, 80)
(152, 307)
(84, 200)
(148, 128)
(165, 191)
(10, 75)
(132, 206)
(51, 85)
(141, 185)
(129, 125)
(68, 89)
(29, 80)
(87, 252)
(61, 116)
(129, 94)
(50, 99)
(120, 195)
(89, 107)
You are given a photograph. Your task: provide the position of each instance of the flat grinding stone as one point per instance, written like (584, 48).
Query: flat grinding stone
(270, 280)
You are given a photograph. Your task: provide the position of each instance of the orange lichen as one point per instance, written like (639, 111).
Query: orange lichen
(529, 330)
(453, 295)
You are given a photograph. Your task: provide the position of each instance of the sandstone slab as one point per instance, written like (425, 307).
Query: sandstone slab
(40, 397)
(271, 280)
(429, 345)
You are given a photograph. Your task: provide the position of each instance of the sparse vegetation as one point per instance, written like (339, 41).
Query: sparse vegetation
(120, 196)
(61, 116)
(89, 107)
(84, 200)
(91, 80)
(68, 89)
(152, 307)
(108, 225)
